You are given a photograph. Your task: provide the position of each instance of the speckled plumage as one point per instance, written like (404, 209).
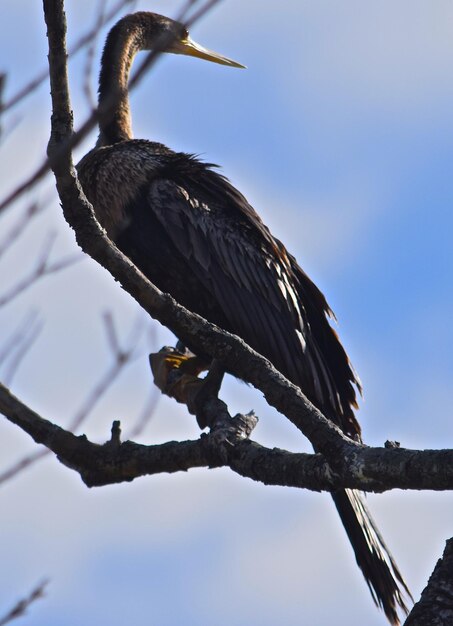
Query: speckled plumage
(250, 284)
(196, 237)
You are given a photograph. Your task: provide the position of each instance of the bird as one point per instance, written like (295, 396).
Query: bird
(196, 237)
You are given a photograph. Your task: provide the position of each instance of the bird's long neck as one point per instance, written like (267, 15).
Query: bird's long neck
(123, 43)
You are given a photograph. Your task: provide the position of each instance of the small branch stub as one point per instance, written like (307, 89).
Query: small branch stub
(392, 444)
(115, 439)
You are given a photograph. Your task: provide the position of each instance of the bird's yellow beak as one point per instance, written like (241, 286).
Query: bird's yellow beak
(193, 49)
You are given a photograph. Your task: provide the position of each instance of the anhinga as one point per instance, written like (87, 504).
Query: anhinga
(196, 237)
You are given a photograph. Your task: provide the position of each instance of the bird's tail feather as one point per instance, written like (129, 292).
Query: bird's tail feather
(381, 573)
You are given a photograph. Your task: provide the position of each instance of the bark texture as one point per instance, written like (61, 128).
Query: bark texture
(435, 607)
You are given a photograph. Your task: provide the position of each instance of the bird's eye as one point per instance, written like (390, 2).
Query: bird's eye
(184, 34)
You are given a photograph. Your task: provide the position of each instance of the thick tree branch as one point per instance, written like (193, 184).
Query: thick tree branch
(227, 446)
(435, 607)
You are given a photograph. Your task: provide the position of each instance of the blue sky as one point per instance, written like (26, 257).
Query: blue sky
(340, 133)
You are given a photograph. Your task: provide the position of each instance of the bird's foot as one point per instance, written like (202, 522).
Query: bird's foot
(176, 373)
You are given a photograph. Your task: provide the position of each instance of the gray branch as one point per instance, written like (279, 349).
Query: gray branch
(20, 609)
(435, 607)
(227, 445)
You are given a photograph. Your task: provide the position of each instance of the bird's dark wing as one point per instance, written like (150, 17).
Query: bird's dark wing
(272, 304)
(263, 294)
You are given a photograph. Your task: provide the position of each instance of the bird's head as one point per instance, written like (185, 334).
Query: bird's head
(167, 35)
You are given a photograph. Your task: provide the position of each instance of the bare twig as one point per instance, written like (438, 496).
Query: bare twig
(2, 90)
(22, 464)
(110, 330)
(16, 231)
(30, 87)
(151, 402)
(210, 4)
(145, 414)
(21, 349)
(88, 405)
(91, 50)
(21, 607)
(15, 339)
(121, 357)
(27, 184)
(42, 268)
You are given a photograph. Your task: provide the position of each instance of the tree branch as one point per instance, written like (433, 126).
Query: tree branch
(116, 462)
(435, 607)
(122, 356)
(84, 40)
(227, 445)
(20, 609)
